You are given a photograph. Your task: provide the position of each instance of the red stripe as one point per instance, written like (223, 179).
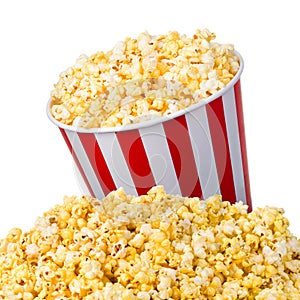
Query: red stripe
(76, 161)
(97, 160)
(217, 125)
(240, 118)
(181, 150)
(137, 160)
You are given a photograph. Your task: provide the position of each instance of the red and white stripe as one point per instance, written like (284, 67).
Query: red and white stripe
(199, 153)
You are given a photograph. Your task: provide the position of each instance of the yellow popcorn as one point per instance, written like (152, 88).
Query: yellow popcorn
(155, 75)
(154, 246)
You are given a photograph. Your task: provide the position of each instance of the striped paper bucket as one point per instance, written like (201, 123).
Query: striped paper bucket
(198, 151)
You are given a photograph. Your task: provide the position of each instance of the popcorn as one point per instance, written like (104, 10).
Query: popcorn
(90, 94)
(155, 246)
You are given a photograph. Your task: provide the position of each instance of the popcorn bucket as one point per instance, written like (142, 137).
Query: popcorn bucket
(198, 151)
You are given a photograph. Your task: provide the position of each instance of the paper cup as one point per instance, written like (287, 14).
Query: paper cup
(199, 151)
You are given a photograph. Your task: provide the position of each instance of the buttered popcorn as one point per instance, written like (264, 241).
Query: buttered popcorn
(155, 246)
(142, 78)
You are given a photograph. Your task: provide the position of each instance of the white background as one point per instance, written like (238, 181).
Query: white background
(39, 39)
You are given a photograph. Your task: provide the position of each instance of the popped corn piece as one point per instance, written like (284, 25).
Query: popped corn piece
(143, 296)
(60, 112)
(90, 93)
(154, 246)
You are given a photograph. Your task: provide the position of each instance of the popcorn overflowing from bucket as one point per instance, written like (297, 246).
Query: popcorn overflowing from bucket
(108, 89)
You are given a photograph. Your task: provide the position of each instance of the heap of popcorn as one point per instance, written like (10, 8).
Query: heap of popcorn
(155, 246)
(141, 79)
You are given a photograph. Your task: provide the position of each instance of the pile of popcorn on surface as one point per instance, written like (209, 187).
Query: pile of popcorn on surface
(155, 246)
(143, 78)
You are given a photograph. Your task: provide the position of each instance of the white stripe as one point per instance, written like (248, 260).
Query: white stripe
(83, 186)
(85, 163)
(116, 162)
(234, 144)
(203, 151)
(160, 159)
